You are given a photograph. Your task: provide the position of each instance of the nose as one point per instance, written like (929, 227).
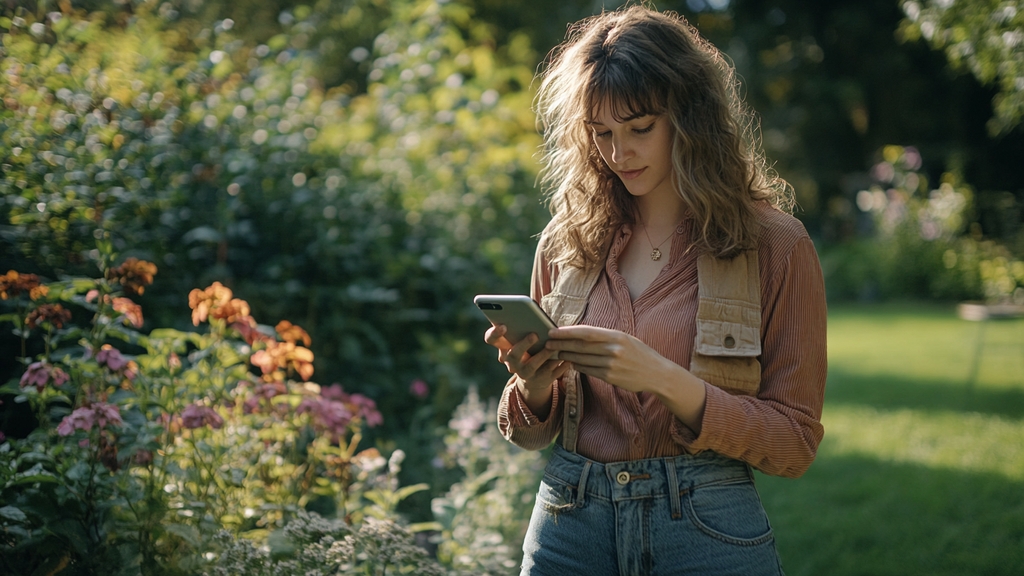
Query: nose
(621, 150)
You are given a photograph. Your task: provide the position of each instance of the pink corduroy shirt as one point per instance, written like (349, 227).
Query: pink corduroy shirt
(776, 432)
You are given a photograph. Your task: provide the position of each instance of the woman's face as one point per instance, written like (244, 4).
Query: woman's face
(638, 149)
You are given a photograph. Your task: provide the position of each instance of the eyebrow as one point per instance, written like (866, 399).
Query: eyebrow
(627, 119)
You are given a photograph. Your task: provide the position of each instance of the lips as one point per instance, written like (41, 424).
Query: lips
(631, 174)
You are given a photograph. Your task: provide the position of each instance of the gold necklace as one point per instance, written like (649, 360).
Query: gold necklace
(656, 252)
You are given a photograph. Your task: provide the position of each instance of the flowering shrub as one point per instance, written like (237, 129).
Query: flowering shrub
(331, 547)
(921, 244)
(149, 444)
(484, 516)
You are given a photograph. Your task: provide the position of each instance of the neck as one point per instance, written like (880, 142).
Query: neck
(661, 213)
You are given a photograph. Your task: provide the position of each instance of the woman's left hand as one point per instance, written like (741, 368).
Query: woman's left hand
(613, 356)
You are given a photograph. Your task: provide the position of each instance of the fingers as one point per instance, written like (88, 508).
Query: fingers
(583, 332)
(495, 336)
(541, 365)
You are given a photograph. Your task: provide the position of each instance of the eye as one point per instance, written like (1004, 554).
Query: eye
(604, 134)
(644, 130)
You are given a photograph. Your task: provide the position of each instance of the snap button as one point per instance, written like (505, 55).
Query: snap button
(730, 342)
(622, 478)
(572, 412)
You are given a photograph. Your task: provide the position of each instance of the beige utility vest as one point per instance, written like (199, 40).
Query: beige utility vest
(728, 338)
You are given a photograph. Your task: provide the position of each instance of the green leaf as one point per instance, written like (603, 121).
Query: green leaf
(425, 526)
(187, 533)
(12, 513)
(406, 491)
(45, 478)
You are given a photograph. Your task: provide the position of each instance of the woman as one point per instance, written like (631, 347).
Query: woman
(691, 313)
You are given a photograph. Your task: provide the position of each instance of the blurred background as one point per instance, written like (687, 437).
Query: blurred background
(362, 168)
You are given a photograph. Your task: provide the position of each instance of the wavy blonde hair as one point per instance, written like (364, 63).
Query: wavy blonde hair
(645, 62)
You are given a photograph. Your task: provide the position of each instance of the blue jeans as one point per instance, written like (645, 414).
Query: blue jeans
(623, 519)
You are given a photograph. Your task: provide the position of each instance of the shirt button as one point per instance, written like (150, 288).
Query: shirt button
(622, 478)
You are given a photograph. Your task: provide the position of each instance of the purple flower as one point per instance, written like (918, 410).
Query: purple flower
(330, 416)
(85, 418)
(36, 375)
(39, 374)
(419, 389)
(334, 409)
(111, 357)
(196, 416)
(367, 409)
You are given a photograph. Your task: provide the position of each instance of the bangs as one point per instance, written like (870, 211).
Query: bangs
(628, 91)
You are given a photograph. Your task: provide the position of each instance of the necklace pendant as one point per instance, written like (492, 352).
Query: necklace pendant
(656, 254)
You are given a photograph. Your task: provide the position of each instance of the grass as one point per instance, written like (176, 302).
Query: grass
(922, 467)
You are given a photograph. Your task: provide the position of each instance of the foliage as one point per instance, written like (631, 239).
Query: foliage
(484, 516)
(327, 547)
(145, 449)
(985, 37)
(918, 248)
(371, 219)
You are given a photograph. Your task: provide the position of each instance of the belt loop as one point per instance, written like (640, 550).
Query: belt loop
(581, 490)
(673, 488)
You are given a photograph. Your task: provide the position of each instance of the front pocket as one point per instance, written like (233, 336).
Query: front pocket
(555, 497)
(730, 512)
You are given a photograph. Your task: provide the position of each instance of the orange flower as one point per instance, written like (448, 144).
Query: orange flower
(133, 275)
(131, 311)
(231, 311)
(291, 333)
(38, 292)
(13, 283)
(284, 356)
(202, 301)
(55, 314)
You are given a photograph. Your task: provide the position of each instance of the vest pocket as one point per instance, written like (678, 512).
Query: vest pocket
(727, 345)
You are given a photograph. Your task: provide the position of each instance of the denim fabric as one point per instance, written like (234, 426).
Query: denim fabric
(622, 519)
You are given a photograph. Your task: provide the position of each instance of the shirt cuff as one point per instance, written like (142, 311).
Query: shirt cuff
(520, 415)
(684, 436)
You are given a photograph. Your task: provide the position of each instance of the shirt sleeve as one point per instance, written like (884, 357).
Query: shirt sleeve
(779, 430)
(517, 423)
(520, 426)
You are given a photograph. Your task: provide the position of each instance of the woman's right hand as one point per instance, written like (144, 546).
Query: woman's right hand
(535, 374)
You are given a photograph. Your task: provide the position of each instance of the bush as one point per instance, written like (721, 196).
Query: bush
(485, 515)
(371, 219)
(921, 244)
(148, 445)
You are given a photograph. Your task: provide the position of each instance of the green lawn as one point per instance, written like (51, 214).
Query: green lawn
(921, 471)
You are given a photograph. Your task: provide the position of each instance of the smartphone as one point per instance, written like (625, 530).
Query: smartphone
(520, 315)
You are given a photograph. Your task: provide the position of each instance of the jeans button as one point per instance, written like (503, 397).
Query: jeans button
(622, 478)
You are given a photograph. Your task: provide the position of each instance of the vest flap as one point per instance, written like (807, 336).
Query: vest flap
(727, 328)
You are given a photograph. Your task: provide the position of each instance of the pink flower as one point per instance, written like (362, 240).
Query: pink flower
(39, 374)
(85, 418)
(334, 392)
(196, 416)
(111, 357)
(419, 389)
(36, 375)
(334, 409)
(329, 416)
(367, 409)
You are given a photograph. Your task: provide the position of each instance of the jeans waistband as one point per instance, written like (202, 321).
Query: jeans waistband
(647, 478)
